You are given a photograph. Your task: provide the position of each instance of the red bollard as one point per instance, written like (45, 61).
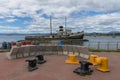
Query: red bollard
(28, 43)
(13, 43)
(23, 43)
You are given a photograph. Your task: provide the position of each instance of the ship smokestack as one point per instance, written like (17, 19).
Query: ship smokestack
(61, 28)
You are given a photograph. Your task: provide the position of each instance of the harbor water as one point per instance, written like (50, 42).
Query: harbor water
(95, 42)
(103, 42)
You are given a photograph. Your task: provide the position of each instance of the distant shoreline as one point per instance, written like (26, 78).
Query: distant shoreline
(86, 34)
(102, 34)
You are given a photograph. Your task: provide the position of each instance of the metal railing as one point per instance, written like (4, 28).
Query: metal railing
(94, 45)
(99, 45)
(103, 45)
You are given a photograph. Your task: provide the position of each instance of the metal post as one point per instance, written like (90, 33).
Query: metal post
(117, 46)
(108, 46)
(88, 44)
(98, 47)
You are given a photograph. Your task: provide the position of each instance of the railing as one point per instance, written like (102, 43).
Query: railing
(103, 45)
(99, 45)
(92, 45)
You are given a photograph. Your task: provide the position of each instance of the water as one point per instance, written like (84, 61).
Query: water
(13, 38)
(98, 42)
(103, 38)
(10, 38)
(103, 42)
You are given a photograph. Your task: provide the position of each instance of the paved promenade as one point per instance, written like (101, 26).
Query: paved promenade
(56, 69)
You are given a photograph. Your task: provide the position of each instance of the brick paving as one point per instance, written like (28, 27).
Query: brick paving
(55, 69)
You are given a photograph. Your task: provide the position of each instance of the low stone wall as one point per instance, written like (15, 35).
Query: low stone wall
(33, 50)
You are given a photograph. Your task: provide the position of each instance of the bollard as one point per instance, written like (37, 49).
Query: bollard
(28, 43)
(84, 69)
(102, 63)
(92, 59)
(32, 64)
(40, 59)
(23, 43)
(13, 43)
(72, 59)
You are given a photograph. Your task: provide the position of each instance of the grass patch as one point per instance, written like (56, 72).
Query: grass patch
(96, 50)
(4, 50)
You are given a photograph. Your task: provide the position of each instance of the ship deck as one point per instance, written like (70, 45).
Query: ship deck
(55, 69)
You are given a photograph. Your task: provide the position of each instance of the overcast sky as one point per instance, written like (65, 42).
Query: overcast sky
(32, 16)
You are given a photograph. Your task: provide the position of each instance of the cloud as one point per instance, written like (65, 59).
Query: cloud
(10, 20)
(87, 15)
(9, 29)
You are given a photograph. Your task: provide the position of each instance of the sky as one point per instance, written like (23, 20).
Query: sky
(32, 16)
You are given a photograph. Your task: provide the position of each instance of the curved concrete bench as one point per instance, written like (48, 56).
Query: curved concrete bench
(33, 50)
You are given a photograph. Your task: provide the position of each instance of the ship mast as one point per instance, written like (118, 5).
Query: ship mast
(65, 25)
(50, 26)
